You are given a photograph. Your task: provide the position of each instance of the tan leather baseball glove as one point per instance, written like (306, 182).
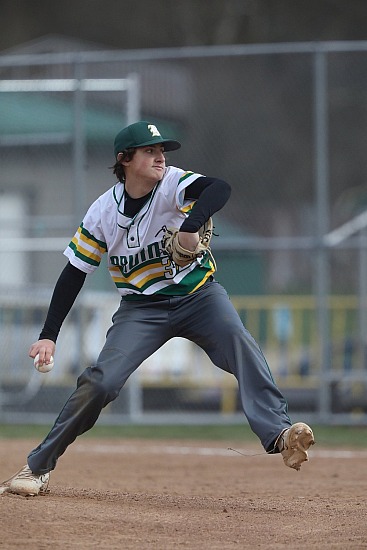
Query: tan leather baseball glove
(180, 255)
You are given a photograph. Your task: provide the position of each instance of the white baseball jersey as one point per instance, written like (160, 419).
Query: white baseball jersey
(136, 261)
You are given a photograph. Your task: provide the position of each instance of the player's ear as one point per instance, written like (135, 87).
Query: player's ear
(125, 158)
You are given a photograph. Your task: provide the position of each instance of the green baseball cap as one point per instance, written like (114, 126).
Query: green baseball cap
(140, 134)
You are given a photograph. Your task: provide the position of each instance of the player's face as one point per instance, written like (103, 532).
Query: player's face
(148, 164)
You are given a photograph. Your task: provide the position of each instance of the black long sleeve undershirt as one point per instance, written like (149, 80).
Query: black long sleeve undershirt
(66, 290)
(211, 194)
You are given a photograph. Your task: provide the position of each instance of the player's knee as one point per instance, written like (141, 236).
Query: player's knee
(97, 386)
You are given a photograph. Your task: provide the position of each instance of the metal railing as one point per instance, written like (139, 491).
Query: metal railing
(284, 326)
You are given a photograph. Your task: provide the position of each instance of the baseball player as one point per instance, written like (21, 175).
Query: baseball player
(150, 225)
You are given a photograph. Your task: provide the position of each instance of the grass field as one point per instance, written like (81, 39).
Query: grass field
(330, 436)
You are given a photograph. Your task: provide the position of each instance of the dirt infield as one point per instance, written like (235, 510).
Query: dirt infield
(138, 495)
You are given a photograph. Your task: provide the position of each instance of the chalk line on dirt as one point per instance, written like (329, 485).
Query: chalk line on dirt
(203, 451)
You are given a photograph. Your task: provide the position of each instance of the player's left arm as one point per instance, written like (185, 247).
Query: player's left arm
(211, 194)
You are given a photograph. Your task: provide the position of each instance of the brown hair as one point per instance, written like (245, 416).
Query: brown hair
(118, 168)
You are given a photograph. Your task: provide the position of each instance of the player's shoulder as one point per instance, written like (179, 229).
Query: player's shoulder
(177, 175)
(103, 205)
(173, 172)
(111, 196)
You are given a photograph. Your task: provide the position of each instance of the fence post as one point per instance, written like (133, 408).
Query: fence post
(322, 224)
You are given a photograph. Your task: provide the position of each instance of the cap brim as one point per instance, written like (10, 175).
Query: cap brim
(169, 144)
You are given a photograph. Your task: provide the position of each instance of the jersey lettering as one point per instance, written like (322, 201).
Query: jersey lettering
(127, 263)
(169, 272)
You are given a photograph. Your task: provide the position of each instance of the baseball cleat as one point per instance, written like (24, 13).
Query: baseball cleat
(294, 443)
(26, 483)
(4, 486)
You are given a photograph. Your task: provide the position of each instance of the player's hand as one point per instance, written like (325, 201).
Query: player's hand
(189, 241)
(45, 348)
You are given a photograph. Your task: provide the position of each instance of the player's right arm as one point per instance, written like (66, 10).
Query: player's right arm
(66, 290)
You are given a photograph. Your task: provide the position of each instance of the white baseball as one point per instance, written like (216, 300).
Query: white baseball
(42, 367)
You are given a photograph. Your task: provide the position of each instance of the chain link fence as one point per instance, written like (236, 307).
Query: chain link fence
(285, 125)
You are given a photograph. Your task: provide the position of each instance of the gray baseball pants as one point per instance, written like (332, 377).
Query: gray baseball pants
(206, 317)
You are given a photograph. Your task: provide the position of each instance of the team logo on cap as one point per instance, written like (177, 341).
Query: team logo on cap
(153, 130)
